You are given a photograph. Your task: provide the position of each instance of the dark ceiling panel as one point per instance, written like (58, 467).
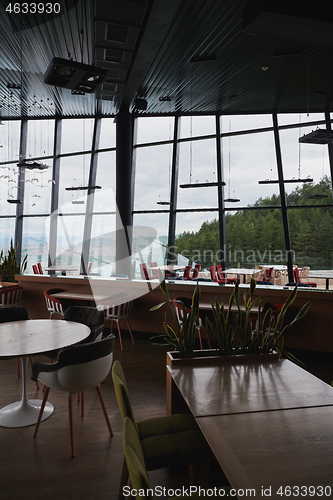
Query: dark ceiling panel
(189, 56)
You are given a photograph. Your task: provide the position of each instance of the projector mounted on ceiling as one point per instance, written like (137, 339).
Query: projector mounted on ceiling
(319, 136)
(74, 75)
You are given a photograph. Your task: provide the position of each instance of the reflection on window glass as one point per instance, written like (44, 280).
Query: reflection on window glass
(102, 254)
(35, 241)
(153, 177)
(155, 251)
(106, 171)
(37, 191)
(69, 240)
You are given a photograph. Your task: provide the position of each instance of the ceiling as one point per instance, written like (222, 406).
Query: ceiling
(188, 56)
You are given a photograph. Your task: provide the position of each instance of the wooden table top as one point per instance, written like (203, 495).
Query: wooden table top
(229, 388)
(23, 338)
(273, 449)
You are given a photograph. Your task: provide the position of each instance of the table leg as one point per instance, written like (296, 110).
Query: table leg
(25, 412)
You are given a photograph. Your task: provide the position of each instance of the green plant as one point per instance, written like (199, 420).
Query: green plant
(184, 335)
(232, 328)
(9, 265)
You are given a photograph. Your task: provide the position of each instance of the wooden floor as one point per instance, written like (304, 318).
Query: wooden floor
(42, 468)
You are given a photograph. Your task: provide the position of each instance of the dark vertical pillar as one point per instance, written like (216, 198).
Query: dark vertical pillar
(90, 197)
(171, 257)
(283, 199)
(329, 145)
(20, 190)
(124, 190)
(55, 191)
(220, 194)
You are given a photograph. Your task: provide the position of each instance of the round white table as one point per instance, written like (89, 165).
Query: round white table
(23, 339)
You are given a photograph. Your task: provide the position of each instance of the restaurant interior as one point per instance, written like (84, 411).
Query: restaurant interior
(127, 127)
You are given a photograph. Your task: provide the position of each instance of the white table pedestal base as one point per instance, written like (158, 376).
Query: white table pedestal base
(24, 413)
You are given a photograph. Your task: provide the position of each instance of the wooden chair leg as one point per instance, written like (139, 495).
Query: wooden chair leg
(101, 398)
(129, 329)
(46, 393)
(71, 430)
(123, 479)
(120, 337)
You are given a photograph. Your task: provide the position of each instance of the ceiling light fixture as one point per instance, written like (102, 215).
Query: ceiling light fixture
(202, 184)
(319, 136)
(75, 76)
(268, 181)
(82, 188)
(31, 165)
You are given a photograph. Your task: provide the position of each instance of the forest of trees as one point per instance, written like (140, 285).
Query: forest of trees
(256, 236)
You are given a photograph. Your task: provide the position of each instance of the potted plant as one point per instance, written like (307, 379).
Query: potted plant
(231, 329)
(254, 330)
(9, 264)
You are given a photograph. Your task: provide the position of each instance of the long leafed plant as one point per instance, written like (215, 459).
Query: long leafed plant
(9, 264)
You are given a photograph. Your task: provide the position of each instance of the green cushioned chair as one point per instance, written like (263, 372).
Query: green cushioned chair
(135, 459)
(173, 440)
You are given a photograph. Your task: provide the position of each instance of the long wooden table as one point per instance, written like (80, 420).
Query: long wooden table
(269, 424)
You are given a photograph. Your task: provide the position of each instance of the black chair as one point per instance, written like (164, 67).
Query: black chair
(89, 316)
(77, 368)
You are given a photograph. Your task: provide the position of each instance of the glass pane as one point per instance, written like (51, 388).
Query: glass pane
(37, 191)
(40, 138)
(155, 252)
(197, 164)
(35, 241)
(7, 232)
(152, 178)
(76, 135)
(69, 240)
(233, 123)
(10, 141)
(196, 240)
(247, 159)
(159, 128)
(74, 172)
(8, 188)
(108, 133)
(193, 126)
(106, 172)
(102, 255)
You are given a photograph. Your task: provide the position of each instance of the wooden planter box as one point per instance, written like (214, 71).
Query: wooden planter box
(211, 356)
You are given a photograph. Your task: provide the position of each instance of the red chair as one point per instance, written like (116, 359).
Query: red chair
(145, 274)
(10, 296)
(221, 276)
(224, 281)
(191, 273)
(37, 268)
(54, 305)
(297, 279)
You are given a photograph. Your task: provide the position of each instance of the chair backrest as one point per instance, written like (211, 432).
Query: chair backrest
(296, 275)
(268, 274)
(79, 367)
(135, 461)
(40, 268)
(89, 316)
(52, 303)
(10, 295)
(219, 271)
(120, 387)
(187, 270)
(213, 274)
(144, 271)
(16, 313)
(195, 273)
(112, 310)
(35, 269)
